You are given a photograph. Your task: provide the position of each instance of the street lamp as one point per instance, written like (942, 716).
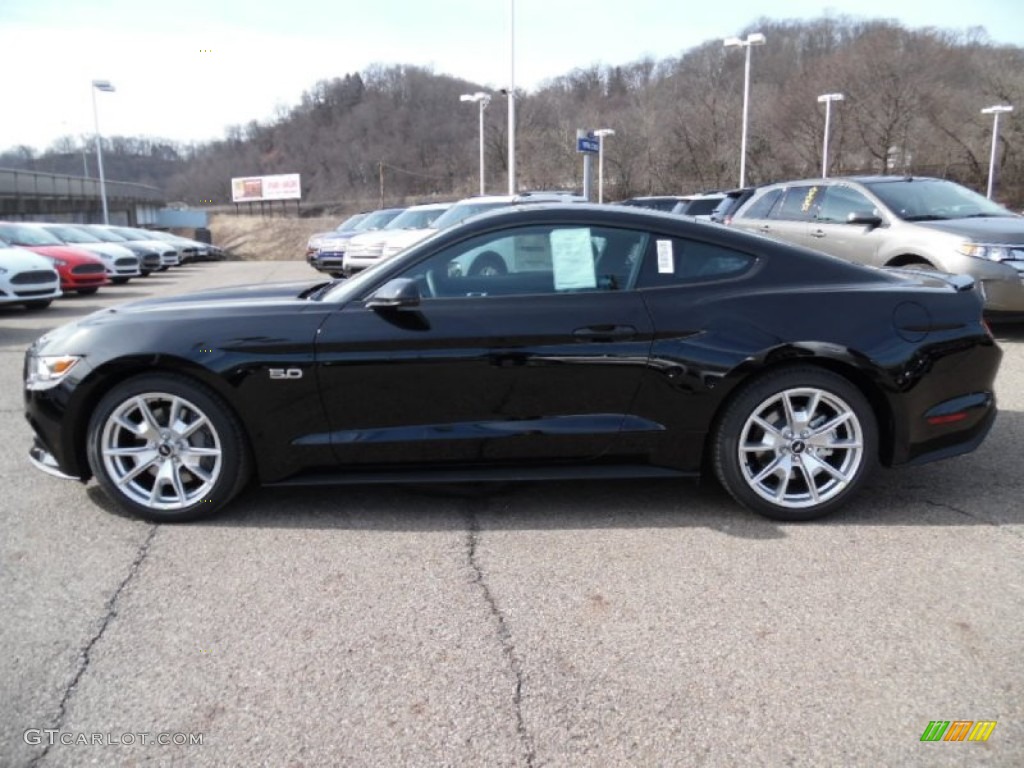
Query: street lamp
(601, 133)
(483, 99)
(100, 85)
(995, 111)
(754, 38)
(828, 98)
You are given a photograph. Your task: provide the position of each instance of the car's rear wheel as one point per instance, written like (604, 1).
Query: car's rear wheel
(167, 448)
(796, 443)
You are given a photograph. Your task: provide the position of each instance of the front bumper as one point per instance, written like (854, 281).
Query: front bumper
(45, 461)
(329, 261)
(1003, 295)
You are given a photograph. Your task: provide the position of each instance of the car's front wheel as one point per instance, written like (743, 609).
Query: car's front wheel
(796, 444)
(167, 448)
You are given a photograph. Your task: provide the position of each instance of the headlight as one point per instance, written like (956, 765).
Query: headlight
(989, 252)
(47, 371)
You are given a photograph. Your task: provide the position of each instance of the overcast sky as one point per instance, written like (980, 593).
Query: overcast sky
(187, 69)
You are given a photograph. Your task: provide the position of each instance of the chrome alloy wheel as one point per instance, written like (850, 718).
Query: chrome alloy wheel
(161, 451)
(801, 447)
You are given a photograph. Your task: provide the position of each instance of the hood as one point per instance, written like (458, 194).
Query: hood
(405, 237)
(66, 253)
(991, 229)
(218, 298)
(18, 259)
(106, 250)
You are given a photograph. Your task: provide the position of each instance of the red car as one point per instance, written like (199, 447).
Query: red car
(79, 270)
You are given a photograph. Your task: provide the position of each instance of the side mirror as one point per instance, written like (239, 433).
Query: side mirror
(869, 218)
(399, 293)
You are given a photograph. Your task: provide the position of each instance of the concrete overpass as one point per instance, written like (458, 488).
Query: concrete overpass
(31, 195)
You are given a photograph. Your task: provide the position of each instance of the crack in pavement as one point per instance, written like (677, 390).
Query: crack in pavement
(83, 656)
(965, 513)
(504, 634)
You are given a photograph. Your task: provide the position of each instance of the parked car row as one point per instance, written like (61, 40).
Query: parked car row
(368, 238)
(40, 261)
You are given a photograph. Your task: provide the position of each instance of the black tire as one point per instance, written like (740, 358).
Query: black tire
(87, 291)
(164, 267)
(203, 468)
(119, 280)
(39, 304)
(488, 263)
(803, 453)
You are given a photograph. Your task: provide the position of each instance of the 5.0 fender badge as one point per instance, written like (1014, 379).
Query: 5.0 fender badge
(286, 373)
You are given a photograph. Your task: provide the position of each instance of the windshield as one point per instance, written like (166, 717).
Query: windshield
(415, 218)
(457, 213)
(27, 235)
(105, 235)
(72, 235)
(129, 234)
(350, 223)
(376, 220)
(933, 200)
(701, 207)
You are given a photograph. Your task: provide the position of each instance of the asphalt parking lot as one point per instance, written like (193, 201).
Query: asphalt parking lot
(574, 624)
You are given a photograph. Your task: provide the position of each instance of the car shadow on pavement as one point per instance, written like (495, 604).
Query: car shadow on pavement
(1006, 332)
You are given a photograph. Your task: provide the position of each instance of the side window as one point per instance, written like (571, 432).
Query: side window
(840, 202)
(762, 206)
(532, 260)
(675, 261)
(800, 203)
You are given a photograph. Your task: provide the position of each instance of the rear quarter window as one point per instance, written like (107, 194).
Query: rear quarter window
(673, 261)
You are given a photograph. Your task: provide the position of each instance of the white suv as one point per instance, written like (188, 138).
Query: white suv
(408, 227)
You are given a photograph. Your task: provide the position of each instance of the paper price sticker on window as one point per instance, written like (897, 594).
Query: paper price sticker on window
(666, 261)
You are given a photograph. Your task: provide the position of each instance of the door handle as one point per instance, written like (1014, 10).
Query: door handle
(818, 233)
(765, 228)
(604, 332)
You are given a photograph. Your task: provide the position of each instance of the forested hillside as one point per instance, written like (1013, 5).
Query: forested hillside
(912, 106)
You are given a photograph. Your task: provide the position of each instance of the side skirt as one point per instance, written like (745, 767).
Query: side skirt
(484, 475)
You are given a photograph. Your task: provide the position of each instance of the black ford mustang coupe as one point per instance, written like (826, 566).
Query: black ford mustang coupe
(541, 342)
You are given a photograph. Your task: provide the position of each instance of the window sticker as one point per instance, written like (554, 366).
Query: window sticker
(666, 259)
(809, 199)
(573, 259)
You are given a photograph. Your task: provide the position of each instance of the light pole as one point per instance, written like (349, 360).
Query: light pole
(995, 111)
(828, 98)
(100, 85)
(483, 99)
(511, 97)
(754, 38)
(601, 133)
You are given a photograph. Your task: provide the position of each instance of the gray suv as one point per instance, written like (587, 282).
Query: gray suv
(897, 221)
